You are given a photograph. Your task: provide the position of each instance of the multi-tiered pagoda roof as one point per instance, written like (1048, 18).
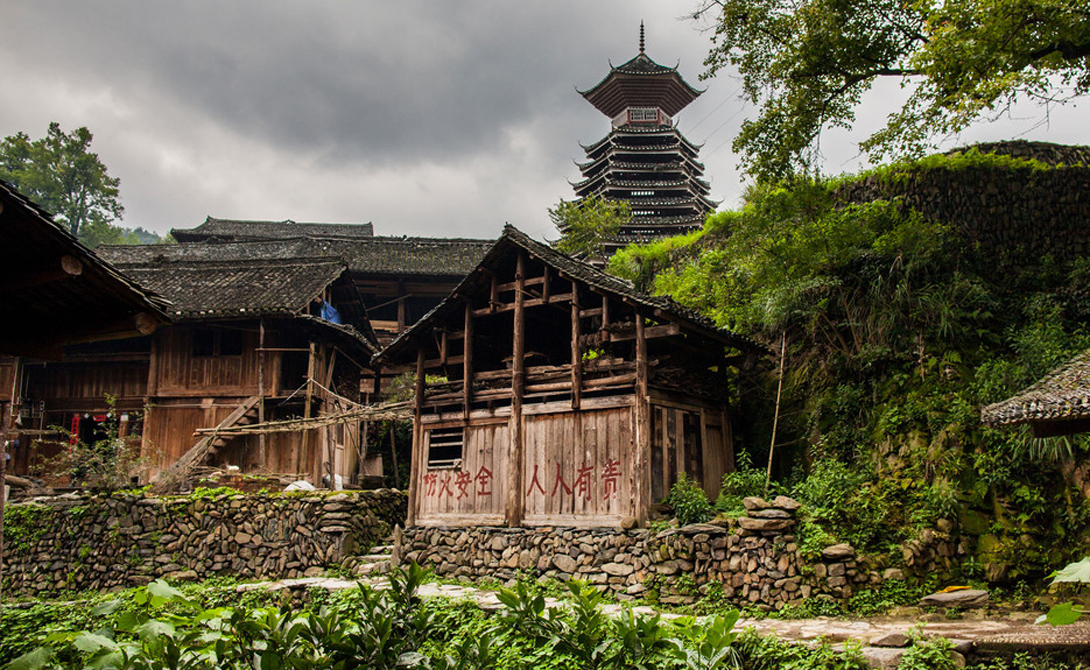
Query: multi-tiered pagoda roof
(645, 160)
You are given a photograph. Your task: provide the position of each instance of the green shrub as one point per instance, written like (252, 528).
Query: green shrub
(689, 502)
(745, 481)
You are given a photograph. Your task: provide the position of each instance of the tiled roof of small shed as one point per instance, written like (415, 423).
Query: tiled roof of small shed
(578, 270)
(1061, 395)
(369, 255)
(216, 290)
(237, 229)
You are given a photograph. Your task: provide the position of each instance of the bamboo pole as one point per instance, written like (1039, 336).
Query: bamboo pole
(393, 452)
(776, 416)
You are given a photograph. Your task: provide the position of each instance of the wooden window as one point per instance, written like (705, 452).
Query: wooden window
(445, 446)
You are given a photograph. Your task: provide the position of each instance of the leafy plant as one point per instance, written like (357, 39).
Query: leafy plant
(689, 502)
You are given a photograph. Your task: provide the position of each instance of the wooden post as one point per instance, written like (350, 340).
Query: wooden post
(261, 454)
(467, 361)
(642, 432)
(416, 469)
(402, 317)
(576, 350)
(516, 456)
(306, 408)
(7, 405)
(393, 450)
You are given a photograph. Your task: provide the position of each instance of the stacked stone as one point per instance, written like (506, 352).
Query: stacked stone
(1039, 212)
(102, 542)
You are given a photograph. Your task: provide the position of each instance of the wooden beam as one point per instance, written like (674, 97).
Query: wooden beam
(650, 333)
(299, 453)
(494, 294)
(57, 269)
(516, 456)
(467, 361)
(576, 352)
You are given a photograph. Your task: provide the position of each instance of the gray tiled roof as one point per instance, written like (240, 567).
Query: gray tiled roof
(237, 229)
(578, 270)
(366, 255)
(1061, 395)
(216, 290)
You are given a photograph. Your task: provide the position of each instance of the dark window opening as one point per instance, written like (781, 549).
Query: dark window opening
(208, 342)
(445, 447)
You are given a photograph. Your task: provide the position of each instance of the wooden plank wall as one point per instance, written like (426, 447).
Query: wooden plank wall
(170, 423)
(180, 373)
(689, 439)
(580, 467)
(473, 492)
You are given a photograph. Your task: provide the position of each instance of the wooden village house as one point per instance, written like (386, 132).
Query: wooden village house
(551, 393)
(399, 278)
(252, 343)
(56, 292)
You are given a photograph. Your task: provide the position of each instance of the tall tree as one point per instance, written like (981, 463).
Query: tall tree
(807, 63)
(585, 225)
(63, 175)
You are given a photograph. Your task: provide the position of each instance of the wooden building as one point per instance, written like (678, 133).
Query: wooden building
(645, 160)
(249, 345)
(551, 393)
(55, 291)
(1058, 404)
(399, 278)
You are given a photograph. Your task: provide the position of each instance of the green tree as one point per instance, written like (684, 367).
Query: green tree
(807, 63)
(63, 175)
(585, 225)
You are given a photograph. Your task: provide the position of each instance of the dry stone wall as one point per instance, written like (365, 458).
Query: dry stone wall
(1004, 213)
(101, 542)
(752, 560)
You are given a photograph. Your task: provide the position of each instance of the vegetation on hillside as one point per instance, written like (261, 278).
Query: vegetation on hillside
(897, 332)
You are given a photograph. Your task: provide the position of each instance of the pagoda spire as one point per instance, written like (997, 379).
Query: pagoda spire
(645, 160)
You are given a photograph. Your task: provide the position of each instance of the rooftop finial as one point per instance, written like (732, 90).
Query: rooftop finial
(641, 37)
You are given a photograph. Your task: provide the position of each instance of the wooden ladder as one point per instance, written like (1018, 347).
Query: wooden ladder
(171, 478)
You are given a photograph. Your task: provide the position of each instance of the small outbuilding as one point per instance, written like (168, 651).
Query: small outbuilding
(549, 392)
(1058, 404)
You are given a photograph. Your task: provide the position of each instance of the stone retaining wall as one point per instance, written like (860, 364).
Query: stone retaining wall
(753, 560)
(100, 542)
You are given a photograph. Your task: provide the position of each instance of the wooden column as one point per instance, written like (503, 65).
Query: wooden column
(402, 318)
(467, 361)
(7, 406)
(516, 456)
(576, 350)
(419, 458)
(301, 452)
(261, 453)
(149, 403)
(642, 432)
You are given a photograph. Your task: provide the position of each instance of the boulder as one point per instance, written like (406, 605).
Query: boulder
(564, 563)
(892, 640)
(785, 503)
(764, 524)
(838, 552)
(963, 598)
(753, 503)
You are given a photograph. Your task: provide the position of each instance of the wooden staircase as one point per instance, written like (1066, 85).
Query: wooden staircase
(174, 476)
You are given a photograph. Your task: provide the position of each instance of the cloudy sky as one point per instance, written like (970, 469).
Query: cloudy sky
(444, 118)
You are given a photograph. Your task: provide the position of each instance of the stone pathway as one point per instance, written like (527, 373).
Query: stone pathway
(973, 633)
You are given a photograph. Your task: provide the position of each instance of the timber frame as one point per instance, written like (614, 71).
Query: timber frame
(551, 393)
